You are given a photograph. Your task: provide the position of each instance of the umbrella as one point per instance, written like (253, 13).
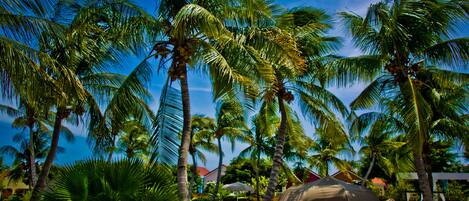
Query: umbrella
(238, 187)
(328, 189)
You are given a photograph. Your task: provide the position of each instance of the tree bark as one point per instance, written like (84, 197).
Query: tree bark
(32, 159)
(428, 163)
(220, 163)
(258, 158)
(365, 179)
(277, 158)
(111, 151)
(185, 140)
(424, 184)
(194, 174)
(41, 182)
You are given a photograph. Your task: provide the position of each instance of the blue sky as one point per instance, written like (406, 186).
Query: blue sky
(201, 97)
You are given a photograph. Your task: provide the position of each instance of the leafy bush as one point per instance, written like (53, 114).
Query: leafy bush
(120, 180)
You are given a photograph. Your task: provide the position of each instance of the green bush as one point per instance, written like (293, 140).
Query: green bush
(120, 180)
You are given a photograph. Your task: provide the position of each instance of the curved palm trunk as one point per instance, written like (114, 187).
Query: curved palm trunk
(32, 159)
(424, 183)
(365, 179)
(277, 158)
(41, 182)
(220, 163)
(185, 140)
(194, 174)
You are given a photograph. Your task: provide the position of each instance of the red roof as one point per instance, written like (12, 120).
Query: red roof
(201, 171)
(378, 181)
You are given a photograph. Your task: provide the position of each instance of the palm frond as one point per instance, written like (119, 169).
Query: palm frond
(168, 125)
(454, 53)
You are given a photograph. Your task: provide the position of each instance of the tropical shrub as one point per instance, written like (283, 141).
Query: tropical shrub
(118, 180)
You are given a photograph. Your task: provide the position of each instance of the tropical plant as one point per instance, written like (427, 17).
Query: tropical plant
(194, 35)
(27, 116)
(134, 140)
(64, 42)
(406, 39)
(21, 167)
(292, 46)
(127, 104)
(328, 150)
(118, 180)
(200, 142)
(229, 124)
(379, 145)
(167, 126)
(265, 124)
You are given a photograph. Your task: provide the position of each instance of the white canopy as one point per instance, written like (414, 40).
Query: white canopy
(238, 187)
(328, 189)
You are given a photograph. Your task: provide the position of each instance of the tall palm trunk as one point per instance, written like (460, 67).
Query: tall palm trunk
(32, 159)
(419, 162)
(220, 163)
(428, 163)
(277, 158)
(424, 183)
(32, 153)
(62, 113)
(111, 151)
(258, 158)
(185, 140)
(365, 179)
(194, 174)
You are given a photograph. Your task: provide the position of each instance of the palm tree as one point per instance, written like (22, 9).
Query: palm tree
(379, 145)
(295, 47)
(196, 37)
(405, 38)
(21, 167)
(128, 102)
(68, 50)
(200, 142)
(229, 124)
(327, 151)
(27, 117)
(265, 124)
(134, 140)
(118, 180)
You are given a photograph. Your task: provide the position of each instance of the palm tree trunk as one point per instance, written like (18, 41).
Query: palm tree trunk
(41, 182)
(32, 159)
(194, 174)
(277, 158)
(423, 177)
(185, 140)
(258, 158)
(111, 151)
(220, 163)
(428, 163)
(365, 179)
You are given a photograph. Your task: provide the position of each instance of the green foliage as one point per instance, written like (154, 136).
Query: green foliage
(242, 170)
(457, 190)
(263, 182)
(118, 180)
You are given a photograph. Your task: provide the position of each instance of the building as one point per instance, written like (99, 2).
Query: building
(11, 187)
(305, 176)
(212, 175)
(201, 171)
(348, 176)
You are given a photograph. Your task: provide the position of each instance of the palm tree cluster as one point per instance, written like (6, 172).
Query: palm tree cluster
(58, 68)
